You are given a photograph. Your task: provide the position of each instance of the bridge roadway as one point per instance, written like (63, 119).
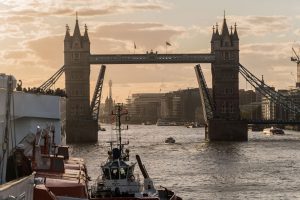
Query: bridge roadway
(287, 122)
(150, 58)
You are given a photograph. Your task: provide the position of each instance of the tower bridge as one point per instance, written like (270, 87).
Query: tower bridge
(221, 110)
(224, 57)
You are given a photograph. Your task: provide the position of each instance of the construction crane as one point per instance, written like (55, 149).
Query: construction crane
(95, 104)
(296, 59)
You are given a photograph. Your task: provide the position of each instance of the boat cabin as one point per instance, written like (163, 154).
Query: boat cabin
(117, 169)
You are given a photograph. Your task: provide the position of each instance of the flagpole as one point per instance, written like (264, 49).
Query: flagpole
(166, 48)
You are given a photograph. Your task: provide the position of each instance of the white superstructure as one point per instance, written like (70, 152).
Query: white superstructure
(32, 110)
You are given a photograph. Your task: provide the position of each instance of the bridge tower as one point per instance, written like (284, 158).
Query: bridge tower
(226, 124)
(79, 124)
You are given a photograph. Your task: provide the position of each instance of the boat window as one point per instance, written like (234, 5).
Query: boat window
(130, 170)
(106, 173)
(115, 164)
(114, 173)
(123, 173)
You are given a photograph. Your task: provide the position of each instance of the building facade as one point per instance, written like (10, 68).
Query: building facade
(274, 111)
(144, 107)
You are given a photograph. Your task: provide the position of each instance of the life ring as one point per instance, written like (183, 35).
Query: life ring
(131, 178)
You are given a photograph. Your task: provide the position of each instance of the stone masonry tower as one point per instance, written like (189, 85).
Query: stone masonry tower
(226, 124)
(79, 124)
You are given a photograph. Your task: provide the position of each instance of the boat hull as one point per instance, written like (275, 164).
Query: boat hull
(21, 188)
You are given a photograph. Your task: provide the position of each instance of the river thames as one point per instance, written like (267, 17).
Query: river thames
(265, 167)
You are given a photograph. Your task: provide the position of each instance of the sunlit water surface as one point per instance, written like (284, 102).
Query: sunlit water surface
(265, 167)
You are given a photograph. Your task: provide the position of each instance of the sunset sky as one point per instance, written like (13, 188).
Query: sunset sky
(32, 34)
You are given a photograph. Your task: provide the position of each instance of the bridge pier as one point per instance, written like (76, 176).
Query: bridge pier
(81, 131)
(227, 130)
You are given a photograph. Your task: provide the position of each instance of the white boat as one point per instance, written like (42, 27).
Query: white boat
(16, 182)
(31, 127)
(273, 131)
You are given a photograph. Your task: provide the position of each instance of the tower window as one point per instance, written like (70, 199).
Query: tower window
(76, 56)
(226, 56)
(223, 109)
(231, 108)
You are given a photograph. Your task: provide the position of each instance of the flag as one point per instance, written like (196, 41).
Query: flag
(168, 44)
(134, 45)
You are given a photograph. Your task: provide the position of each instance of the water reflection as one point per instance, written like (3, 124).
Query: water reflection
(265, 167)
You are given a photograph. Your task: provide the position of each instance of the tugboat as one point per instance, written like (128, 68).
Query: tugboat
(118, 180)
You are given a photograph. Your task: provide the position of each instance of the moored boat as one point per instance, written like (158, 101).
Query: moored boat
(170, 140)
(35, 144)
(16, 177)
(118, 179)
(273, 131)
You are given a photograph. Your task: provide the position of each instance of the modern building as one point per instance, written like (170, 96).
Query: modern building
(250, 104)
(177, 106)
(274, 111)
(182, 105)
(144, 107)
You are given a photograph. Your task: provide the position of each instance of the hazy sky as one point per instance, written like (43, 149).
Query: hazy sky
(32, 33)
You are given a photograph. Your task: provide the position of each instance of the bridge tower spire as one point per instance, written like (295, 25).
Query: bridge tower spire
(225, 85)
(79, 124)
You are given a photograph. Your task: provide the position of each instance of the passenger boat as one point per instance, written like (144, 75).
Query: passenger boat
(273, 131)
(16, 176)
(118, 179)
(35, 164)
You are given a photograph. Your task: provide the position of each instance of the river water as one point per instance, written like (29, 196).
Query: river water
(265, 167)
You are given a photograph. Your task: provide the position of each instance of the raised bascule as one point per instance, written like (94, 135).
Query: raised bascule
(221, 110)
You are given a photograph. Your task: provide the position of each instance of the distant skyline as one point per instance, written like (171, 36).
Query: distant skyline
(32, 34)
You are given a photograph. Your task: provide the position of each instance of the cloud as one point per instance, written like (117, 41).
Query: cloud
(297, 31)
(261, 25)
(48, 49)
(271, 60)
(146, 35)
(42, 9)
(15, 54)
(275, 50)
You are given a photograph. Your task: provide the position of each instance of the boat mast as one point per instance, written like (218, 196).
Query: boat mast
(5, 146)
(119, 108)
(119, 112)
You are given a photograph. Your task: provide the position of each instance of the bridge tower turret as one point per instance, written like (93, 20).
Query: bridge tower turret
(225, 71)
(79, 124)
(225, 86)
